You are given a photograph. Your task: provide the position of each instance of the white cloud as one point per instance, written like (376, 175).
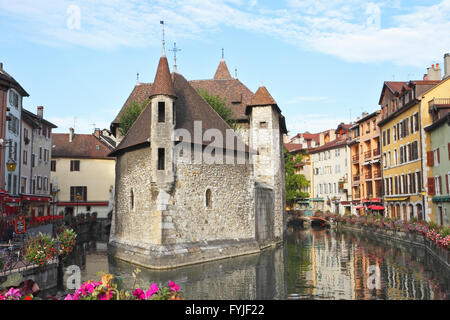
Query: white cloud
(353, 30)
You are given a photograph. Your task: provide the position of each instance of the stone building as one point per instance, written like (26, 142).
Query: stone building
(189, 188)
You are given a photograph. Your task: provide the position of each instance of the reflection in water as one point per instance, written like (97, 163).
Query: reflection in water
(310, 265)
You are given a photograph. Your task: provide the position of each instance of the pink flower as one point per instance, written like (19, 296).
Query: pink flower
(173, 286)
(139, 293)
(14, 294)
(153, 289)
(69, 297)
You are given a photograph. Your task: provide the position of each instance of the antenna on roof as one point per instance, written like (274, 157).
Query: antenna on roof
(137, 78)
(175, 50)
(235, 73)
(222, 54)
(163, 41)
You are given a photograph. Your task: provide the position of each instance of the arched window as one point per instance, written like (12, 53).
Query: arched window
(131, 199)
(208, 202)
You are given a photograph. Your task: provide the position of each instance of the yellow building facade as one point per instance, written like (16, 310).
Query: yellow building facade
(403, 148)
(401, 164)
(429, 100)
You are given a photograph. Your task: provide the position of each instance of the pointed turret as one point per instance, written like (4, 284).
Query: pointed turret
(262, 97)
(163, 81)
(222, 72)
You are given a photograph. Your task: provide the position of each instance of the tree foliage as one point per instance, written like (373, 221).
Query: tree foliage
(294, 182)
(130, 114)
(220, 105)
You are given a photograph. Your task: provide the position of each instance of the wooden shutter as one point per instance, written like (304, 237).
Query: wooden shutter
(448, 149)
(440, 185)
(438, 156)
(431, 187)
(446, 183)
(430, 158)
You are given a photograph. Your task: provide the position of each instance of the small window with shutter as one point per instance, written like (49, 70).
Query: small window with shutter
(431, 187)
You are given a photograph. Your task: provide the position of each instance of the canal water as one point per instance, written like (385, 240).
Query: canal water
(311, 264)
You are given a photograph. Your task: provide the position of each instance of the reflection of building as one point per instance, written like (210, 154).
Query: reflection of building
(82, 174)
(36, 148)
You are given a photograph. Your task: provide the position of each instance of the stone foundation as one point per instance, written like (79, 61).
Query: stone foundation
(177, 255)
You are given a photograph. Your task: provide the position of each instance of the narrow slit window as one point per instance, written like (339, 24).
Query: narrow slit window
(161, 111)
(208, 198)
(132, 199)
(161, 160)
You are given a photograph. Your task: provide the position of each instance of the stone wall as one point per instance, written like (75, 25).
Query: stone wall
(139, 224)
(264, 210)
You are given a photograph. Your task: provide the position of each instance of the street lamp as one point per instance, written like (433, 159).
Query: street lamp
(11, 165)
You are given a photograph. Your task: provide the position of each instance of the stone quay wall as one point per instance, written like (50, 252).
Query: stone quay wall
(439, 254)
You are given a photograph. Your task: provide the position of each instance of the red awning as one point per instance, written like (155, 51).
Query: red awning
(37, 198)
(375, 200)
(359, 207)
(375, 207)
(11, 199)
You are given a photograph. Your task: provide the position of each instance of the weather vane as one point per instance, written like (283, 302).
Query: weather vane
(163, 41)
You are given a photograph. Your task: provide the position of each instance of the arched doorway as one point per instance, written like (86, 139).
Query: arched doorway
(419, 212)
(404, 214)
(397, 211)
(411, 212)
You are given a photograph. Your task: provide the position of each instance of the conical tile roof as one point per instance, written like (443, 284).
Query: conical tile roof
(262, 97)
(222, 72)
(163, 81)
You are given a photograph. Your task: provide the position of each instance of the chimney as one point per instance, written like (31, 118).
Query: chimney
(97, 132)
(434, 73)
(446, 65)
(71, 134)
(40, 111)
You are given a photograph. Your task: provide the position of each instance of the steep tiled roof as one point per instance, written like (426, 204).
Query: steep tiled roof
(7, 80)
(139, 94)
(262, 97)
(292, 147)
(222, 71)
(330, 145)
(189, 107)
(163, 82)
(82, 146)
(236, 94)
(33, 120)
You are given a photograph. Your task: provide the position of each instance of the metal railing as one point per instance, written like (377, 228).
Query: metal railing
(367, 154)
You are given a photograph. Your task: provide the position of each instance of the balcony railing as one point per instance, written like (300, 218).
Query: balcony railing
(356, 177)
(377, 174)
(368, 175)
(367, 154)
(355, 158)
(439, 102)
(356, 195)
(376, 152)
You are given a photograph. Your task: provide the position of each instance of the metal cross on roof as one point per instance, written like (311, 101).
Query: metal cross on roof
(222, 54)
(175, 50)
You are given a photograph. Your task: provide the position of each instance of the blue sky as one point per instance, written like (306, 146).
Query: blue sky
(323, 61)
